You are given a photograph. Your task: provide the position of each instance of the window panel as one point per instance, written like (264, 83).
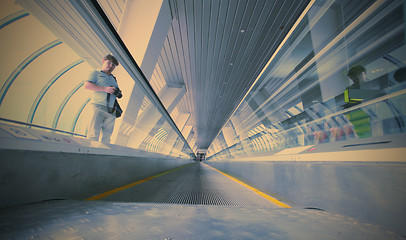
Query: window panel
(308, 79)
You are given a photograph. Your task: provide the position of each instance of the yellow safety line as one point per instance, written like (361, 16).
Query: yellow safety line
(266, 196)
(108, 193)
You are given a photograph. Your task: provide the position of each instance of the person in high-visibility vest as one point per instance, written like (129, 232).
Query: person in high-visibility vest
(358, 117)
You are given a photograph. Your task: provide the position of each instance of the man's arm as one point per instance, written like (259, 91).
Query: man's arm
(97, 88)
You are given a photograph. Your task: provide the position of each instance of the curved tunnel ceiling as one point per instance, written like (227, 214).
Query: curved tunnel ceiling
(216, 49)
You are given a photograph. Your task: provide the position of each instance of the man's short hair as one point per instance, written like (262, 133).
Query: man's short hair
(355, 71)
(111, 58)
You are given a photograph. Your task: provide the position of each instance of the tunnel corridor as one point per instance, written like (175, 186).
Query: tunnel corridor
(248, 119)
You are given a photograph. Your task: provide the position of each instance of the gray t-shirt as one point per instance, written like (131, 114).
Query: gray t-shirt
(102, 79)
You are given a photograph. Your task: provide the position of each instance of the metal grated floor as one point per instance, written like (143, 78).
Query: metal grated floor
(194, 184)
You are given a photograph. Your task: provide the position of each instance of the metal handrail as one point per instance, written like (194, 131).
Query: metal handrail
(41, 127)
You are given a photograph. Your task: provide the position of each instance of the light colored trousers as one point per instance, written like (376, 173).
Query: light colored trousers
(101, 121)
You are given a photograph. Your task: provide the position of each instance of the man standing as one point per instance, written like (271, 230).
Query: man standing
(359, 118)
(105, 90)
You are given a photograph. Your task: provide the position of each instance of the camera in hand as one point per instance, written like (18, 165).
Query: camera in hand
(118, 93)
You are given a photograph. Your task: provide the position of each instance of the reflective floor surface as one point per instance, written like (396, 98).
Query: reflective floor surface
(193, 202)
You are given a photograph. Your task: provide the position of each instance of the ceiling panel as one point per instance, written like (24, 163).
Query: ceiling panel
(217, 48)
